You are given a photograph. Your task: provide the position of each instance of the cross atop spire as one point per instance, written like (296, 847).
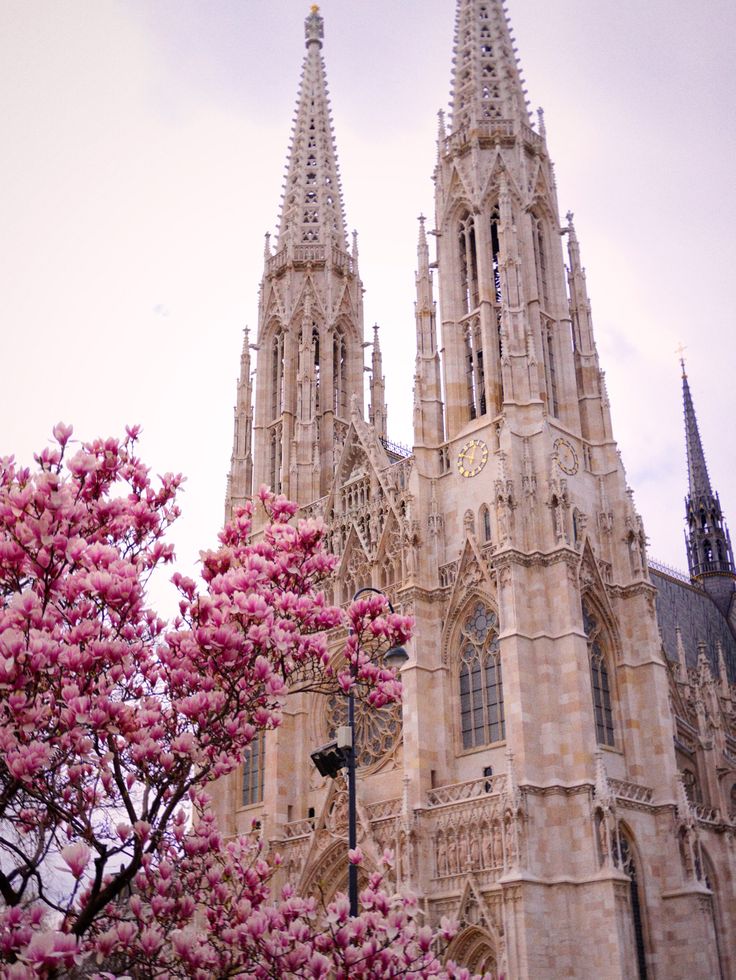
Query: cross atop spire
(486, 81)
(312, 209)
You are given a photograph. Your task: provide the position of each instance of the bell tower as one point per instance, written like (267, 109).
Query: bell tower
(310, 320)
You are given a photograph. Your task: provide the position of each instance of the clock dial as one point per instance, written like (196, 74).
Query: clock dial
(472, 458)
(567, 458)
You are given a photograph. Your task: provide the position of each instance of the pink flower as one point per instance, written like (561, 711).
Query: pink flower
(76, 857)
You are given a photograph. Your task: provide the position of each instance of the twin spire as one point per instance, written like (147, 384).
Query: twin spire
(312, 209)
(486, 82)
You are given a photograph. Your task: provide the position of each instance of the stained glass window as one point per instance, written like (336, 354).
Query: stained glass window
(481, 687)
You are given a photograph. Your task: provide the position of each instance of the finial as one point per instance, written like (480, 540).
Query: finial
(314, 27)
(680, 351)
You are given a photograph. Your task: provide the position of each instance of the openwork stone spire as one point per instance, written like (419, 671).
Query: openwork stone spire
(486, 82)
(312, 208)
(710, 555)
(697, 471)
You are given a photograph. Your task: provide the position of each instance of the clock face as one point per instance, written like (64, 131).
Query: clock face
(472, 458)
(567, 458)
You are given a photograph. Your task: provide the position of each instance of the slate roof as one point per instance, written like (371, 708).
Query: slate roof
(700, 621)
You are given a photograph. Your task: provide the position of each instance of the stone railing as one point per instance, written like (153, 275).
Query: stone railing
(707, 814)
(473, 789)
(631, 791)
(487, 130)
(448, 573)
(384, 810)
(310, 253)
(298, 828)
(530, 137)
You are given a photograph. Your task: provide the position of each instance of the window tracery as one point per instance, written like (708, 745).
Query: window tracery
(482, 719)
(600, 682)
(377, 731)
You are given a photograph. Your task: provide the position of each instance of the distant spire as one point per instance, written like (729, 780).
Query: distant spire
(240, 479)
(486, 81)
(710, 555)
(377, 412)
(697, 471)
(312, 209)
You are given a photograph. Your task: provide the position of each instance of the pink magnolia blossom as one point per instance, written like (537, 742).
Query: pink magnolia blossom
(76, 856)
(114, 723)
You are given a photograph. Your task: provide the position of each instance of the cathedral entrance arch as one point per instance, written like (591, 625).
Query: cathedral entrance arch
(475, 949)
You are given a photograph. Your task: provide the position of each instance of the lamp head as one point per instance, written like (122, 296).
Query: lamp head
(329, 759)
(396, 658)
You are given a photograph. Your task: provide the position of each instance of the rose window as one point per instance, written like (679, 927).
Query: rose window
(377, 730)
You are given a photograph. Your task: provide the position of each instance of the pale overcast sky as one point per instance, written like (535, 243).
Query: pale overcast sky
(143, 154)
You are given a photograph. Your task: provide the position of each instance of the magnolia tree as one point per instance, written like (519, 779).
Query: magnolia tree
(113, 724)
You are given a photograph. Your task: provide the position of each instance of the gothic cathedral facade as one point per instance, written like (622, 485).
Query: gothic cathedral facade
(560, 777)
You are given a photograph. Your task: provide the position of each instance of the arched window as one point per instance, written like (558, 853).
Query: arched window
(340, 374)
(481, 687)
(474, 369)
(627, 863)
(550, 365)
(468, 263)
(274, 460)
(277, 374)
(484, 520)
(253, 770)
(540, 256)
(691, 786)
(600, 683)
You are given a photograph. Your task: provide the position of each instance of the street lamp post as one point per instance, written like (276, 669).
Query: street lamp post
(342, 754)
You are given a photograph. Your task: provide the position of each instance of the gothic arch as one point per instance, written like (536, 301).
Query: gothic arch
(477, 950)
(629, 861)
(713, 883)
(593, 590)
(326, 873)
(474, 656)
(602, 663)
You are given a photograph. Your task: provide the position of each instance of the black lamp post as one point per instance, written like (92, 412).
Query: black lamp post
(395, 657)
(341, 754)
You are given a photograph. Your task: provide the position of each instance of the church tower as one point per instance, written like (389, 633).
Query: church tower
(310, 319)
(529, 784)
(708, 542)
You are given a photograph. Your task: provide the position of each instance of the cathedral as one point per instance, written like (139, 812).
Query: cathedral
(561, 775)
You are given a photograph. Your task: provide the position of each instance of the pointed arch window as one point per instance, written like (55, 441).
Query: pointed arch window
(482, 719)
(540, 259)
(550, 364)
(253, 771)
(627, 863)
(485, 523)
(474, 368)
(274, 458)
(277, 374)
(340, 374)
(468, 263)
(599, 678)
